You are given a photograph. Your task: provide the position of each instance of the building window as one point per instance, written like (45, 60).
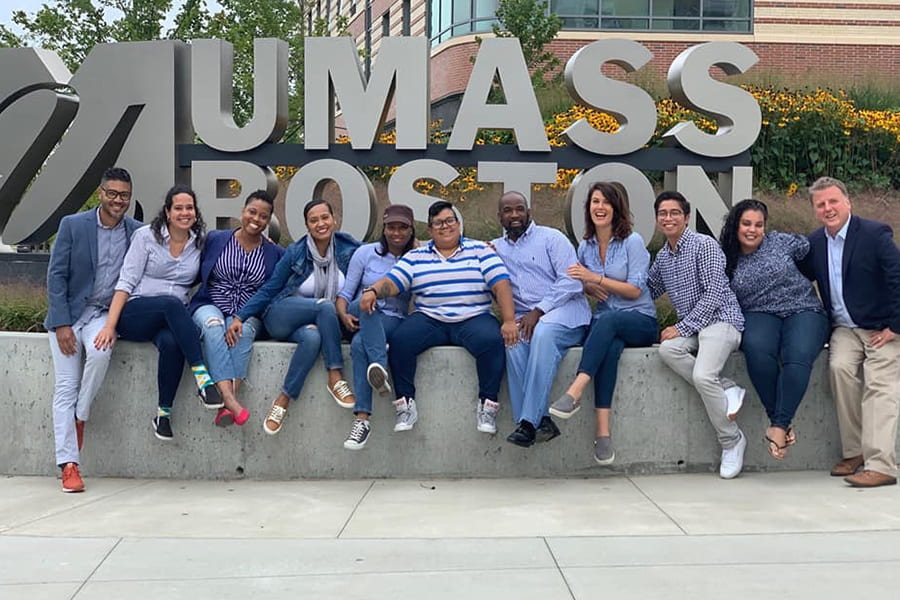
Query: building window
(406, 17)
(352, 7)
(449, 18)
(386, 24)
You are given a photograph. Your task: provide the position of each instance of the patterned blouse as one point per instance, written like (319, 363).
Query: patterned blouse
(236, 277)
(768, 280)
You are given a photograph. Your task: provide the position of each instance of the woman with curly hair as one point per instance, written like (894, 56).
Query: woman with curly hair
(150, 302)
(785, 325)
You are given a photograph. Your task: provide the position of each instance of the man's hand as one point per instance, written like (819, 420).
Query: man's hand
(65, 338)
(510, 332)
(879, 338)
(234, 332)
(529, 322)
(367, 301)
(669, 333)
(593, 290)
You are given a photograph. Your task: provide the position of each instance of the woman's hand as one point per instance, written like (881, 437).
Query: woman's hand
(234, 332)
(105, 338)
(350, 322)
(510, 332)
(581, 273)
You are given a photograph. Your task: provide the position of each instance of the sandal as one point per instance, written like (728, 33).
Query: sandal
(790, 438)
(341, 393)
(775, 450)
(276, 415)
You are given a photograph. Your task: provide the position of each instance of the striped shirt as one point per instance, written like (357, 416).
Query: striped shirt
(694, 277)
(236, 276)
(149, 269)
(450, 289)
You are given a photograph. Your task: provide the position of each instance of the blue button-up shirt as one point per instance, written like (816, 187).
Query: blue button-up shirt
(537, 264)
(367, 267)
(626, 260)
(694, 276)
(112, 243)
(150, 269)
(839, 313)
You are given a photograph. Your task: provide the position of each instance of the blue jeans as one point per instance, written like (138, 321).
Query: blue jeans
(369, 346)
(531, 368)
(311, 324)
(480, 335)
(223, 361)
(780, 354)
(611, 331)
(165, 321)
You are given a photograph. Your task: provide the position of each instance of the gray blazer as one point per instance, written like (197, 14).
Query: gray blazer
(73, 262)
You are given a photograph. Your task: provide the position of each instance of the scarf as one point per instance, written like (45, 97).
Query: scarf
(325, 270)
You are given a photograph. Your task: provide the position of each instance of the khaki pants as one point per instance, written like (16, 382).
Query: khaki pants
(865, 382)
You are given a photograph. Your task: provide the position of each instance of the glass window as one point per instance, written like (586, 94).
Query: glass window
(386, 24)
(726, 8)
(485, 8)
(726, 25)
(676, 24)
(608, 23)
(676, 8)
(625, 8)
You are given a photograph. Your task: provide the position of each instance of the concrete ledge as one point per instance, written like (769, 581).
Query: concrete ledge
(659, 424)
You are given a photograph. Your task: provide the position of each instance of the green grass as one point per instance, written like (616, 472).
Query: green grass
(22, 307)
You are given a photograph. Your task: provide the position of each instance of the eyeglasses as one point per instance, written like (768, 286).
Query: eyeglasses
(674, 213)
(440, 224)
(113, 194)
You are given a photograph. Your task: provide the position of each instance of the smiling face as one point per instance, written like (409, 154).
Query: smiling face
(671, 219)
(115, 198)
(183, 213)
(320, 222)
(444, 229)
(832, 208)
(750, 230)
(514, 215)
(255, 217)
(397, 235)
(601, 210)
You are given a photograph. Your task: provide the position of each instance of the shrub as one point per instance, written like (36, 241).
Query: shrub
(22, 307)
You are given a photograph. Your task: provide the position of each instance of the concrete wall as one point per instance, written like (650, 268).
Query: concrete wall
(659, 424)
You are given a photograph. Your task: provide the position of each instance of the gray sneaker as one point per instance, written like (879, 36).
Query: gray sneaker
(486, 416)
(565, 407)
(407, 415)
(604, 453)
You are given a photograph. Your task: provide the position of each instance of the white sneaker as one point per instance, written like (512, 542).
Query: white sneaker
(359, 435)
(733, 459)
(407, 415)
(377, 376)
(486, 416)
(734, 400)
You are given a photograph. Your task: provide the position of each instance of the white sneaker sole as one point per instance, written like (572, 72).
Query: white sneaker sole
(606, 462)
(404, 426)
(487, 429)
(377, 377)
(734, 401)
(348, 445)
(565, 416)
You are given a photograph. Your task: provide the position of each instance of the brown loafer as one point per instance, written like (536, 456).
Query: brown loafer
(848, 466)
(869, 479)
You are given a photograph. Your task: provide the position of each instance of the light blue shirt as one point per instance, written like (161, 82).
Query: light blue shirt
(150, 269)
(537, 264)
(626, 260)
(366, 267)
(839, 313)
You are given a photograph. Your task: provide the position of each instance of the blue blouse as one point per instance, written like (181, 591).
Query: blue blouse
(626, 260)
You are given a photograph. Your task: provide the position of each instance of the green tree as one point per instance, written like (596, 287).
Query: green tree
(535, 26)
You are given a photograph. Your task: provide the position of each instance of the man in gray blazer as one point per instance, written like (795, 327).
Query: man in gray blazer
(81, 278)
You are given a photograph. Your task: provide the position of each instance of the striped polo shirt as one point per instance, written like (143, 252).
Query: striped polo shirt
(450, 289)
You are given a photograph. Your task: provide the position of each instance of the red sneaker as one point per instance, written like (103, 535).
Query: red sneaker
(71, 479)
(79, 432)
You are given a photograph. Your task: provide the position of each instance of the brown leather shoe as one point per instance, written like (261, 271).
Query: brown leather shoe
(868, 479)
(848, 466)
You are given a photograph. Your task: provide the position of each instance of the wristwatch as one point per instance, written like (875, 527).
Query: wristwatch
(369, 289)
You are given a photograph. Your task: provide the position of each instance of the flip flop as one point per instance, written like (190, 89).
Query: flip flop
(774, 449)
(790, 438)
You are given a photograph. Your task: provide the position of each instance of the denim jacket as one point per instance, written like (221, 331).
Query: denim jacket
(292, 270)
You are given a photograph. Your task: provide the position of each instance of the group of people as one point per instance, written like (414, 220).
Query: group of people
(111, 278)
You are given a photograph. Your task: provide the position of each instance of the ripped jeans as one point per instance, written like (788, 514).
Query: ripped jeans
(223, 361)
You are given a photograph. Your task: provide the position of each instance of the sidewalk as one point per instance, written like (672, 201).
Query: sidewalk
(764, 535)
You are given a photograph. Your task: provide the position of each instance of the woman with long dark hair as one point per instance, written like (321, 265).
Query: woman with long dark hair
(297, 305)
(613, 265)
(785, 326)
(369, 346)
(233, 266)
(150, 302)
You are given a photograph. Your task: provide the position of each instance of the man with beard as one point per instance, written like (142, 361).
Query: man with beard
(551, 312)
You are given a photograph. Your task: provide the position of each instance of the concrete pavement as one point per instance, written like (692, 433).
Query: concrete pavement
(764, 535)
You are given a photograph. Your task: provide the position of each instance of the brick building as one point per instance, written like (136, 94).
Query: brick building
(835, 37)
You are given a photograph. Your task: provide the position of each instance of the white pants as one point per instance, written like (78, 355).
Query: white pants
(76, 385)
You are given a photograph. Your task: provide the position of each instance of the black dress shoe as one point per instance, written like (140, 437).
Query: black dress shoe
(546, 431)
(523, 435)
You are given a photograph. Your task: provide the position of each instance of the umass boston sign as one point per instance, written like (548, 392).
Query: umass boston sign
(143, 105)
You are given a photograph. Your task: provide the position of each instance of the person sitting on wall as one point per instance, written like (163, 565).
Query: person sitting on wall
(690, 267)
(451, 279)
(297, 305)
(150, 303)
(84, 266)
(856, 265)
(613, 264)
(233, 266)
(551, 313)
(374, 330)
(785, 326)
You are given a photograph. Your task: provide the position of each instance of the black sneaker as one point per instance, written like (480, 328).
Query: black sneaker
(359, 435)
(523, 436)
(162, 428)
(210, 398)
(546, 431)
